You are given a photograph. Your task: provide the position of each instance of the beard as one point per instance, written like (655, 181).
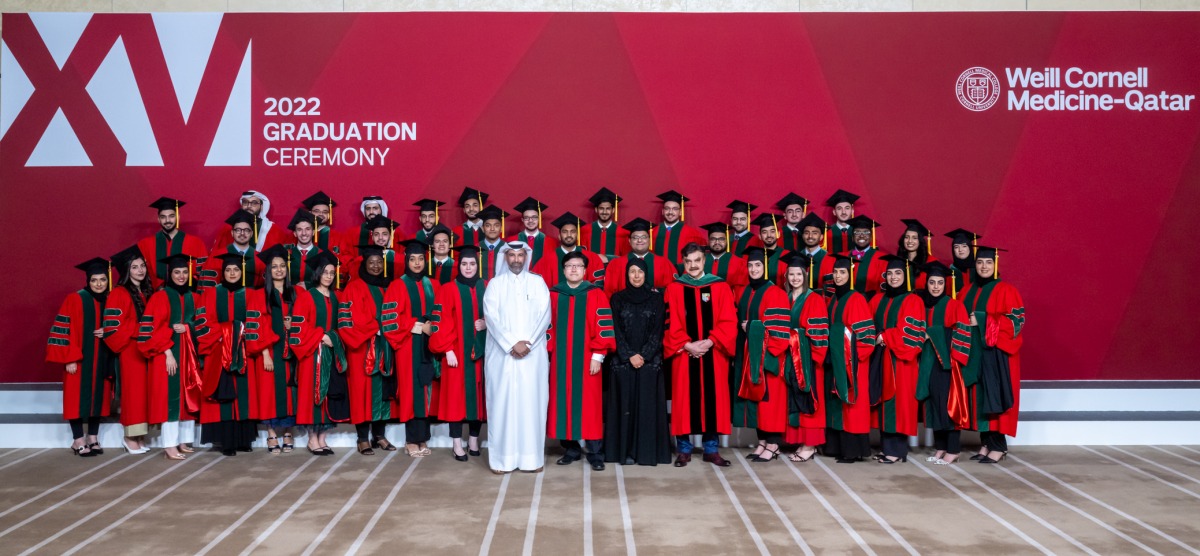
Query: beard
(516, 268)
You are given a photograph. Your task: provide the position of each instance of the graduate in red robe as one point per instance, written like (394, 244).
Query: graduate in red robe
(382, 229)
(899, 337)
(408, 312)
(915, 244)
(720, 262)
(122, 312)
(869, 275)
(302, 248)
(794, 209)
(232, 331)
(459, 335)
(803, 367)
(580, 336)
(700, 337)
(841, 207)
(322, 396)
(440, 264)
(241, 243)
(530, 211)
(76, 342)
(963, 244)
(166, 333)
(672, 235)
(275, 366)
(264, 233)
(370, 359)
(847, 373)
(605, 236)
(550, 267)
(324, 236)
(470, 232)
(768, 233)
(739, 236)
(492, 239)
(812, 245)
(760, 396)
(170, 240)
(947, 347)
(429, 214)
(993, 372)
(370, 207)
(660, 271)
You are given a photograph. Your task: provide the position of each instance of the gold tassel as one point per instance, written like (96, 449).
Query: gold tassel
(178, 220)
(682, 209)
(539, 205)
(616, 208)
(502, 234)
(391, 233)
(810, 273)
(431, 260)
(804, 209)
(243, 271)
(929, 244)
(316, 231)
(384, 263)
(825, 236)
(974, 246)
(774, 223)
(330, 213)
(953, 285)
(872, 234)
(907, 276)
(996, 271)
(851, 275)
(189, 261)
(337, 277)
(109, 276)
(256, 231)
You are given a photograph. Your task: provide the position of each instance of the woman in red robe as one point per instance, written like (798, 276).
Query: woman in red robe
(407, 311)
(808, 339)
(993, 372)
(370, 368)
(75, 341)
(459, 334)
(125, 307)
(321, 386)
(900, 333)
(940, 387)
(851, 340)
(273, 362)
(914, 245)
(232, 331)
(165, 335)
(760, 394)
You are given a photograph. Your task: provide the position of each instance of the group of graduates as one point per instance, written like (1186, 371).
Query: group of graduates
(804, 331)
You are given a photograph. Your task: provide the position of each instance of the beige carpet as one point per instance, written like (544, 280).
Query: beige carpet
(1061, 500)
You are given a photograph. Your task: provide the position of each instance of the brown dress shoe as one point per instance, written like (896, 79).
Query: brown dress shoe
(682, 460)
(716, 460)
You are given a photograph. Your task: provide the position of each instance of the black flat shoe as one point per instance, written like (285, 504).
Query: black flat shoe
(566, 460)
(473, 453)
(457, 457)
(229, 452)
(317, 452)
(597, 466)
(886, 460)
(326, 451)
(847, 460)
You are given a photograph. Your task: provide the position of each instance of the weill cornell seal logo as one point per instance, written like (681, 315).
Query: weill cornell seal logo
(977, 89)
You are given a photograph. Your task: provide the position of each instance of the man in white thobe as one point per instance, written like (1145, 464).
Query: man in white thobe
(516, 307)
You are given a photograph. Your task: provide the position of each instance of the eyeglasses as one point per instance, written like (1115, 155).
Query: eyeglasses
(529, 218)
(862, 233)
(241, 230)
(578, 266)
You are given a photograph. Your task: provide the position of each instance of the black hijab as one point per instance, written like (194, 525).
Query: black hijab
(640, 294)
(379, 281)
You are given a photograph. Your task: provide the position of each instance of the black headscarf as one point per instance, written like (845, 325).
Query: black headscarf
(102, 296)
(469, 282)
(379, 281)
(413, 275)
(636, 295)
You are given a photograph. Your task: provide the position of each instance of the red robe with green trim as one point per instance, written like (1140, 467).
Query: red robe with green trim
(488, 260)
(759, 391)
(170, 397)
(739, 242)
(466, 235)
(441, 272)
(776, 268)
(276, 389)
(369, 357)
(460, 390)
(231, 330)
(120, 334)
(662, 273)
(313, 316)
(160, 246)
(731, 269)
(612, 242)
(670, 241)
(417, 369)
(847, 367)
(868, 273)
(87, 392)
(541, 245)
(337, 242)
(581, 327)
(297, 269)
(361, 235)
(697, 310)
(809, 342)
(550, 268)
(1000, 320)
(210, 273)
(940, 386)
(275, 236)
(838, 239)
(900, 322)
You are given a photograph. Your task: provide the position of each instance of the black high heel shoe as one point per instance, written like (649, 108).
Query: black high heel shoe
(885, 459)
(988, 459)
(977, 457)
(383, 444)
(463, 457)
(774, 456)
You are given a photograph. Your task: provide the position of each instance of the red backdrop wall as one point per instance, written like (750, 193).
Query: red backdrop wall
(1097, 207)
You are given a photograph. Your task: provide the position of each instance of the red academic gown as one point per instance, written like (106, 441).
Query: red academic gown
(550, 268)
(417, 369)
(232, 328)
(337, 242)
(789, 238)
(809, 342)
(851, 340)
(581, 326)
(465, 235)
(87, 392)
(611, 242)
(868, 273)
(669, 242)
(441, 272)
(275, 389)
(739, 243)
(838, 240)
(760, 393)
(541, 245)
(277, 235)
(359, 324)
(460, 389)
(361, 235)
(947, 349)
(170, 397)
(776, 268)
(160, 246)
(210, 273)
(696, 310)
(731, 269)
(313, 316)
(1000, 312)
(900, 322)
(488, 260)
(660, 269)
(120, 334)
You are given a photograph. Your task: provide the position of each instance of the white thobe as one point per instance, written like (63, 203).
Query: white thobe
(516, 308)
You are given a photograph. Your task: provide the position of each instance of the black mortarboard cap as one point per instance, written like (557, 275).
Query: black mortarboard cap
(791, 199)
(415, 247)
(959, 235)
(93, 266)
(863, 223)
(128, 255)
(894, 262)
(567, 219)
(796, 259)
(638, 225)
(240, 216)
(300, 216)
(277, 250)
(530, 204)
(767, 220)
(176, 261)
(429, 204)
(604, 196)
(492, 212)
(811, 220)
(166, 203)
(842, 261)
(231, 259)
(716, 228)
(936, 268)
(672, 196)
(741, 206)
(915, 225)
(841, 196)
(318, 198)
(472, 193)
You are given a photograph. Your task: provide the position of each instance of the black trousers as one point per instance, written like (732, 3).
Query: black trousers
(894, 444)
(93, 427)
(473, 428)
(595, 449)
(847, 445)
(375, 428)
(416, 431)
(770, 437)
(994, 441)
(947, 441)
